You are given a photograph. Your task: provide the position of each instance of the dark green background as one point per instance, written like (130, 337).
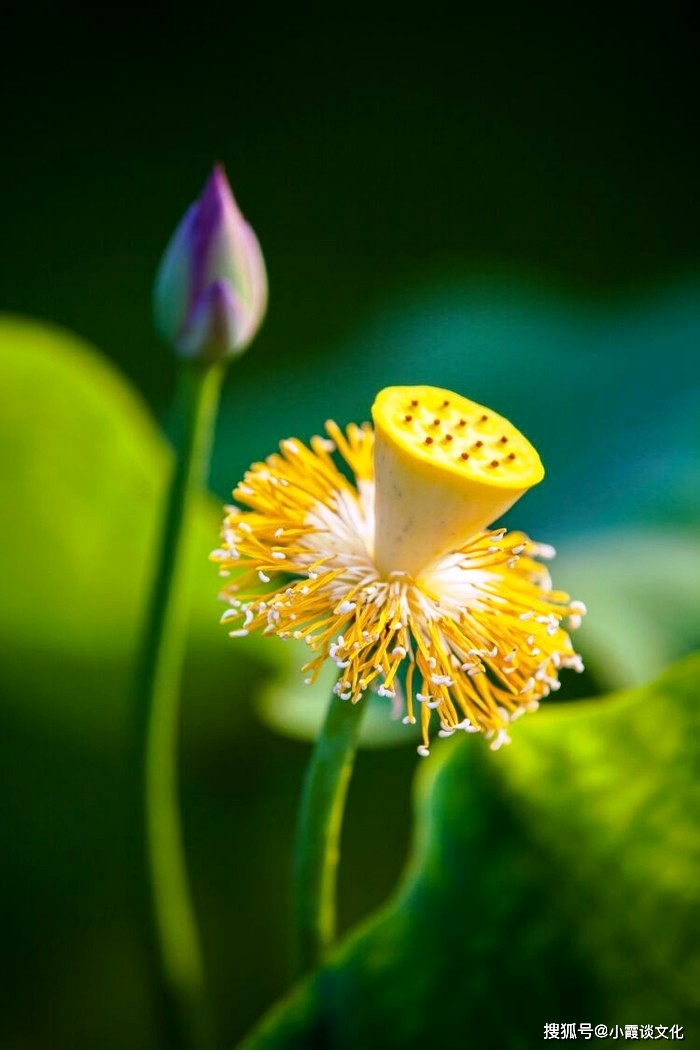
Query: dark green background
(365, 152)
(506, 204)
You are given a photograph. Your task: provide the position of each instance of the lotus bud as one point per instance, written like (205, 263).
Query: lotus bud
(211, 288)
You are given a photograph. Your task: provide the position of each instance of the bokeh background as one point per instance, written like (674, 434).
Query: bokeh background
(505, 205)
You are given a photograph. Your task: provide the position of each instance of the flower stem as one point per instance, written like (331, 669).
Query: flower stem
(317, 847)
(176, 956)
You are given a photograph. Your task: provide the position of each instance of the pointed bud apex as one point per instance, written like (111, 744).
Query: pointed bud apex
(211, 288)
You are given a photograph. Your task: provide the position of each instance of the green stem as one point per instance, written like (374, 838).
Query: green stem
(175, 950)
(317, 847)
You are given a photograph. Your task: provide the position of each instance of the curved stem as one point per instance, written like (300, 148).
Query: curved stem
(317, 846)
(174, 939)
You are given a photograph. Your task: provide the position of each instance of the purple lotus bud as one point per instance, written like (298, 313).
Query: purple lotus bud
(211, 288)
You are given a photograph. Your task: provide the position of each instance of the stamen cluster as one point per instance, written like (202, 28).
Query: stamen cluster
(475, 638)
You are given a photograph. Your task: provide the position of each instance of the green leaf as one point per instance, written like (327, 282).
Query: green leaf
(83, 480)
(552, 881)
(641, 587)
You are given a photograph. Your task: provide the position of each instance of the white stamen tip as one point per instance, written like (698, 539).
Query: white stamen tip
(575, 663)
(441, 679)
(423, 751)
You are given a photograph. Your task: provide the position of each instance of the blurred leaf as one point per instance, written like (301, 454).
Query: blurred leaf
(85, 469)
(297, 710)
(553, 881)
(641, 587)
(83, 478)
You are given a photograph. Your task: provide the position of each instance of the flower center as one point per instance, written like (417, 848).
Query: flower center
(445, 468)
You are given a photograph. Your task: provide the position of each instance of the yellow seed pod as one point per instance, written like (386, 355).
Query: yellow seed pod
(445, 468)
